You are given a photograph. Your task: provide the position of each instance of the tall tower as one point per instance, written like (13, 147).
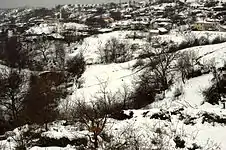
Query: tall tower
(130, 3)
(61, 14)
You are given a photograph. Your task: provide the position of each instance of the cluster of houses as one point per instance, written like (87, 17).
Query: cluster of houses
(154, 17)
(209, 18)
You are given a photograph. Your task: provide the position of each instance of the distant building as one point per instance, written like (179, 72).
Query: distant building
(205, 25)
(162, 23)
(99, 21)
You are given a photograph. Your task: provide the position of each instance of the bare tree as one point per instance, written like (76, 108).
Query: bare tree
(94, 114)
(161, 63)
(12, 93)
(42, 99)
(93, 118)
(42, 49)
(186, 64)
(60, 55)
(158, 66)
(114, 51)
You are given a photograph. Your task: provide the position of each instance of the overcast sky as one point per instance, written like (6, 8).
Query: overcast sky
(47, 3)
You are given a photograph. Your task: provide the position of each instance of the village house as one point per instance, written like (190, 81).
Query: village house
(99, 21)
(205, 25)
(162, 23)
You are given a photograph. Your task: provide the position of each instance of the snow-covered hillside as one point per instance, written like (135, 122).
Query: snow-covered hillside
(93, 110)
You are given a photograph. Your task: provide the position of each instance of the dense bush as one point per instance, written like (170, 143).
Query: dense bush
(145, 91)
(213, 118)
(194, 73)
(217, 40)
(212, 95)
(180, 143)
(76, 65)
(61, 142)
(4, 124)
(41, 100)
(203, 40)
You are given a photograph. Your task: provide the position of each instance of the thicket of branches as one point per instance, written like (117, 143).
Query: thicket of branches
(158, 65)
(32, 96)
(216, 93)
(114, 51)
(12, 92)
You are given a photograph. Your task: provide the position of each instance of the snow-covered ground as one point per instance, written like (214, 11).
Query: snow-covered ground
(96, 77)
(191, 100)
(210, 53)
(118, 75)
(48, 28)
(205, 135)
(92, 45)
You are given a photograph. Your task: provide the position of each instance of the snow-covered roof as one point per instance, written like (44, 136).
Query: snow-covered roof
(105, 30)
(163, 20)
(154, 31)
(72, 25)
(212, 20)
(162, 30)
(57, 36)
(42, 28)
(196, 5)
(203, 21)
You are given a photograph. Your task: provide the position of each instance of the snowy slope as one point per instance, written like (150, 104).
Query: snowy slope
(114, 76)
(92, 45)
(141, 124)
(207, 53)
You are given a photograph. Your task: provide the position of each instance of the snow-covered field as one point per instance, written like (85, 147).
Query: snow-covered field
(113, 75)
(92, 45)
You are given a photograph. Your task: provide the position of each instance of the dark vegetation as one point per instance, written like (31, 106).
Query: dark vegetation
(115, 51)
(216, 93)
(34, 82)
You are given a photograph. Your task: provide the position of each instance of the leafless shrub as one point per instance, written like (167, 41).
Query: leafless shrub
(76, 66)
(93, 117)
(186, 64)
(158, 75)
(60, 56)
(12, 92)
(114, 51)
